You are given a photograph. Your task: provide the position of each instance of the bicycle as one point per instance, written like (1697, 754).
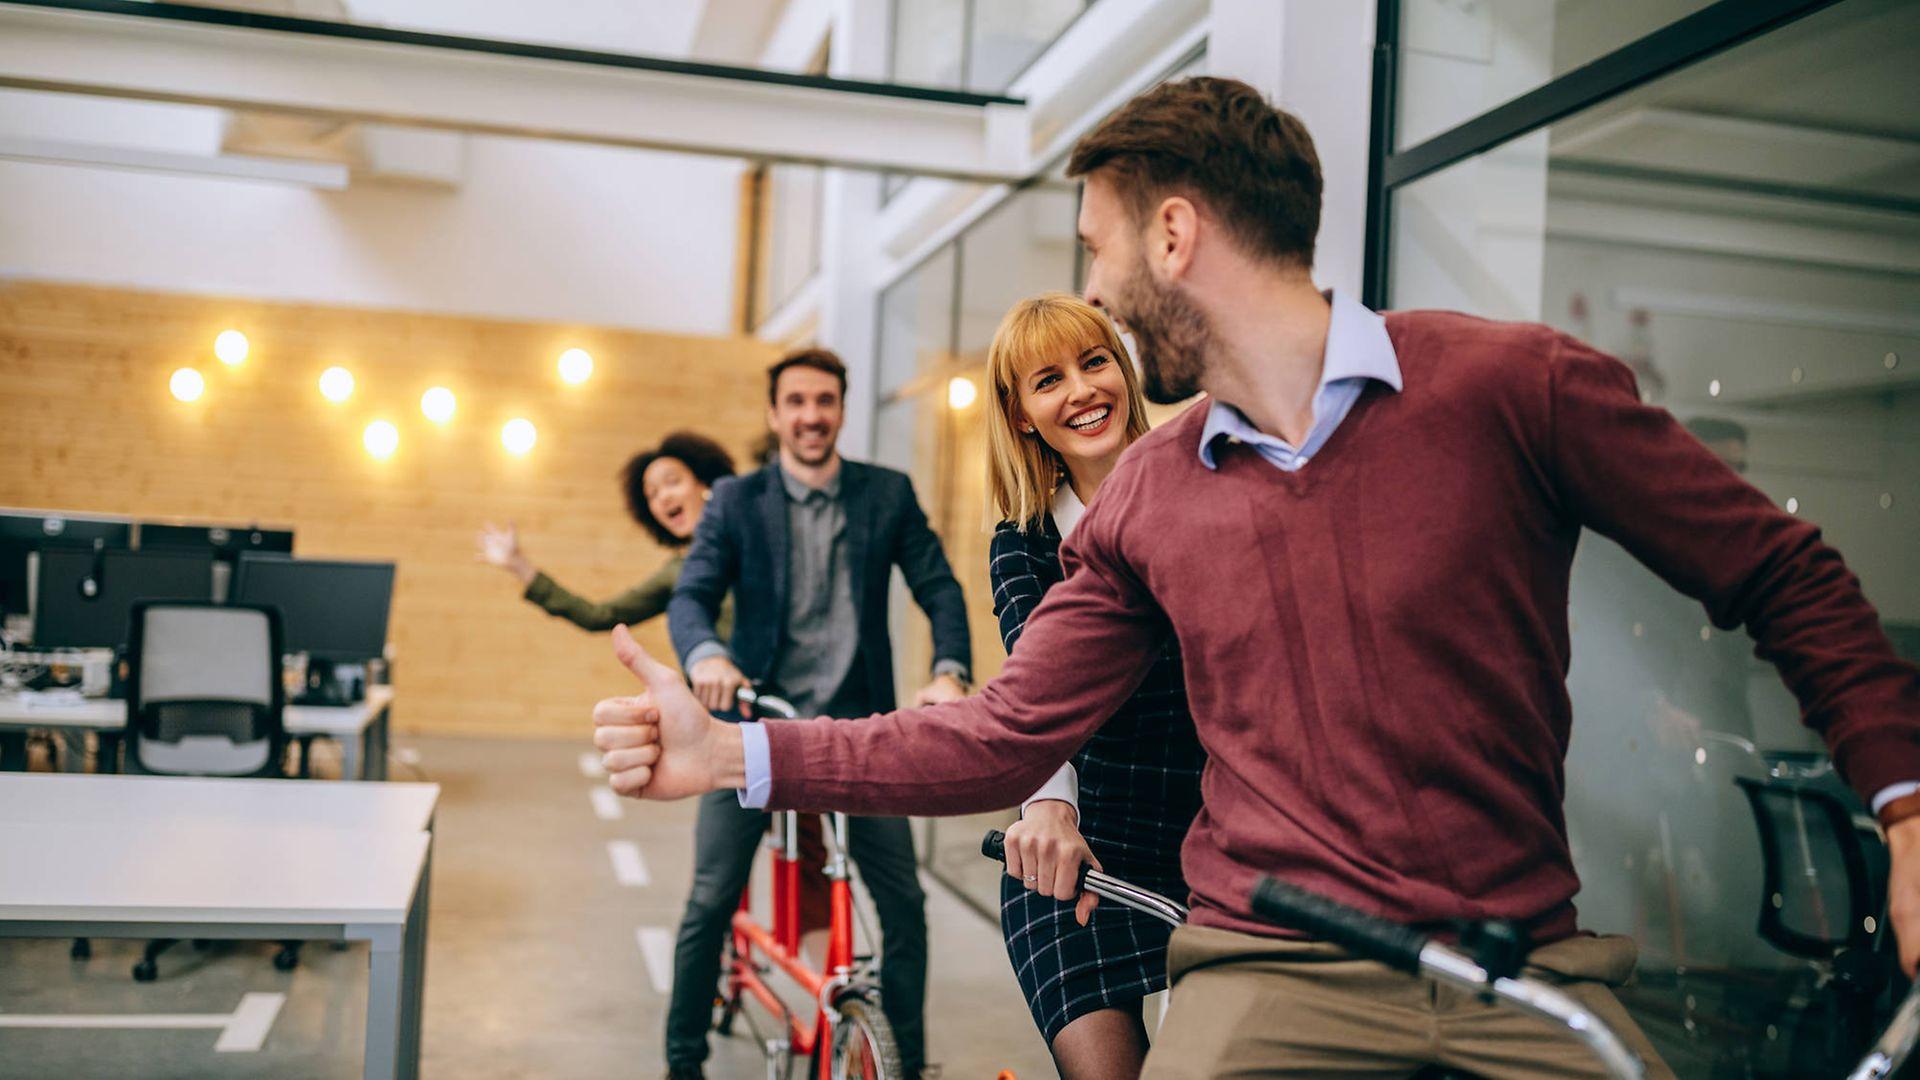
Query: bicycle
(847, 1037)
(1488, 963)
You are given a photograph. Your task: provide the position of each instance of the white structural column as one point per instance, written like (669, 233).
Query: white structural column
(1312, 58)
(317, 75)
(850, 211)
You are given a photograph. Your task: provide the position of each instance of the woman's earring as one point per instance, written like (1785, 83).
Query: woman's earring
(1029, 429)
(707, 495)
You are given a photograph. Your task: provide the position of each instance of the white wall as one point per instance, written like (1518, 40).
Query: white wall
(1313, 58)
(536, 230)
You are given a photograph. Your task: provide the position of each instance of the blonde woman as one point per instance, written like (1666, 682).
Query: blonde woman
(1068, 402)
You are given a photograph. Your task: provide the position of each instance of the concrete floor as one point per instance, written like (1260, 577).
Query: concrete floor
(534, 962)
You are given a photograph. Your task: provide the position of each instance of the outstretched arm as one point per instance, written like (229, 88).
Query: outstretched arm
(1084, 652)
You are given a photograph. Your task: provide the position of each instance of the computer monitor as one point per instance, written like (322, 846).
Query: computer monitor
(332, 610)
(23, 532)
(85, 598)
(227, 542)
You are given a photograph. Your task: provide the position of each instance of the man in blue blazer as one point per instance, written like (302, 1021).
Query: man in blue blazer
(807, 546)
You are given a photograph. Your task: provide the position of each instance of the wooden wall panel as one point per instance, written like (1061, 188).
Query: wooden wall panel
(87, 424)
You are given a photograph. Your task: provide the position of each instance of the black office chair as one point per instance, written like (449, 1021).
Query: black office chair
(1824, 900)
(204, 698)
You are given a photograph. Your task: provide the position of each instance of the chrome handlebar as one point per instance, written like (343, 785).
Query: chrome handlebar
(1399, 947)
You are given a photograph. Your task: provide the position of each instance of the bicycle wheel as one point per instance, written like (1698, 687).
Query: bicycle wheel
(863, 1047)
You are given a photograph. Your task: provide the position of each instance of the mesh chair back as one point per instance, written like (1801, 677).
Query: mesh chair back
(1822, 893)
(205, 696)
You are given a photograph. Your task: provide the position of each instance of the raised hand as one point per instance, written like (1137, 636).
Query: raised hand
(663, 744)
(501, 547)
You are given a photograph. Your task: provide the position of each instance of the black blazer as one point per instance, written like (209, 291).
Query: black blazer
(741, 545)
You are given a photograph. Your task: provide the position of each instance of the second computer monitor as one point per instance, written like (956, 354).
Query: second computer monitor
(84, 599)
(329, 609)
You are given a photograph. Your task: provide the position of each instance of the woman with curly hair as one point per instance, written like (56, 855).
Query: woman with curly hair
(666, 488)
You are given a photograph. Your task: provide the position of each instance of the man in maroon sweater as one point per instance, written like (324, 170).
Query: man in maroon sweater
(1362, 543)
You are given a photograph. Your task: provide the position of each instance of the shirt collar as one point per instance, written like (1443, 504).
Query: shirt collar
(1067, 508)
(1357, 348)
(800, 492)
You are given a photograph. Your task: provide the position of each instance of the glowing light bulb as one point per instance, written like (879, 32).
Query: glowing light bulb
(381, 439)
(961, 392)
(187, 385)
(518, 436)
(336, 384)
(437, 404)
(576, 366)
(231, 347)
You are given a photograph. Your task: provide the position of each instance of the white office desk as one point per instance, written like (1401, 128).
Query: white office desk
(361, 729)
(82, 799)
(237, 881)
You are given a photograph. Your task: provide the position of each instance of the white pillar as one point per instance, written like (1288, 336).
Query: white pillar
(1313, 58)
(848, 299)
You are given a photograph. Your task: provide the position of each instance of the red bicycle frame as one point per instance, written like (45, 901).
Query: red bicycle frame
(780, 944)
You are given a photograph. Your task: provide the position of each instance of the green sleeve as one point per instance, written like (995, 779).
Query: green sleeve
(636, 605)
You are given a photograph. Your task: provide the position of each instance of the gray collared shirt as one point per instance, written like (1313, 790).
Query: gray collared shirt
(823, 631)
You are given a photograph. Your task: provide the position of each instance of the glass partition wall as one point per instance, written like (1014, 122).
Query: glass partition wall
(1730, 203)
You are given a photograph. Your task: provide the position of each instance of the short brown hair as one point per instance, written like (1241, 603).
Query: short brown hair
(1217, 140)
(817, 359)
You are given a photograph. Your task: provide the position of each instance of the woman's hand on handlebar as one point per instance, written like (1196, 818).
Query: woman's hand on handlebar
(1045, 852)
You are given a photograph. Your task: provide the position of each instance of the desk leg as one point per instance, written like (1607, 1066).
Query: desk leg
(386, 988)
(107, 759)
(377, 754)
(13, 751)
(350, 767)
(413, 995)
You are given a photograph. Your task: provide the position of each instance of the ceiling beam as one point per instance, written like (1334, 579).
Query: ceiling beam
(318, 69)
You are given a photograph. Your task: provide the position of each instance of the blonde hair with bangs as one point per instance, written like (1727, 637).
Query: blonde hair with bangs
(1022, 470)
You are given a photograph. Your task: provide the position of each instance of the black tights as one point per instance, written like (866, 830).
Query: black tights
(1110, 1044)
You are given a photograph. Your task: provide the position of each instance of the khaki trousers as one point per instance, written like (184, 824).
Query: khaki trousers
(1245, 1006)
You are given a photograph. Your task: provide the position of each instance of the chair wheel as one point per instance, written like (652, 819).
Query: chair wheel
(145, 971)
(82, 949)
(286, 960)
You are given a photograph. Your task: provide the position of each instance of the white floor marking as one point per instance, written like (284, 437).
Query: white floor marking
(628, 868)
(242, 1031)
(247, 1031)
(656, 948)
(590, 766)
(606, 804)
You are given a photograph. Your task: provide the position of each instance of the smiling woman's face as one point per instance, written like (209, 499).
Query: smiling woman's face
(674, 495)
(1077, 404)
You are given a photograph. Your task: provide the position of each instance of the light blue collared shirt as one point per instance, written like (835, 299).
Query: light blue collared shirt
(1358, 351)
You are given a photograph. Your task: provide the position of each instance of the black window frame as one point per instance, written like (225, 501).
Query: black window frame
(1680, 44)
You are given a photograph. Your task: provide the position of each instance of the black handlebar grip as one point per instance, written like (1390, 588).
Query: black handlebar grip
(994, 845)
(1359, 933)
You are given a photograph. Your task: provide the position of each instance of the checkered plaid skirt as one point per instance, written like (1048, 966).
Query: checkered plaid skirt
(1139, 791)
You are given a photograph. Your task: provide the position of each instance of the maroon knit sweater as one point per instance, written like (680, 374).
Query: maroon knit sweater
(1376, 646)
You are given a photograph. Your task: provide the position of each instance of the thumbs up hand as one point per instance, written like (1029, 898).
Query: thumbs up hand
(662, 744)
